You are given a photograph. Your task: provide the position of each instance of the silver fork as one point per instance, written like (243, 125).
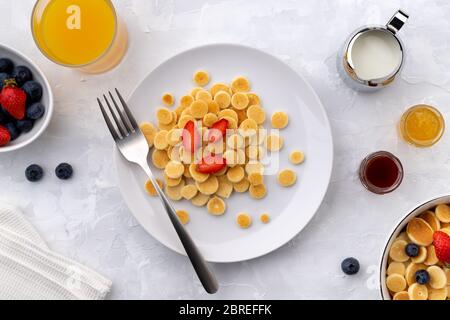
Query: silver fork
(133, 146)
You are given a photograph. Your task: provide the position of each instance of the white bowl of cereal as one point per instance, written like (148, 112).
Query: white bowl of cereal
(410, 268)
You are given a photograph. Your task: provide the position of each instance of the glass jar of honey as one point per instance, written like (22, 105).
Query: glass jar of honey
(422, 125)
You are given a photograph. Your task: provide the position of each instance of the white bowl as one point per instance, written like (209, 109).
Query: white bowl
(47, 99)
(400, 226)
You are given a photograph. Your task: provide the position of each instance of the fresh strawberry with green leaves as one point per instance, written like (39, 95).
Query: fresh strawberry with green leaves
(13, 99)
(211, 164)
(5, 136)
(441, 242)
(191, 137)
(218, 130)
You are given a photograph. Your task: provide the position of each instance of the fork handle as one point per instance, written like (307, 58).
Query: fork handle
(204, 273)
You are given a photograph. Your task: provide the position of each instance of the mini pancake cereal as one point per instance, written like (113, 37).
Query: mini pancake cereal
(224, 122)
(240, 84)
(443, 213)
(168, 99)
(235, 174)
(149, 131)
(264, 218)
(209, 186)
(189, 191)
(183, 216)
(216, 206)
(287, 178)
(244, 220)
(164, 116)
(151, 189)
(256, 113)
(297, 157)
(414, 271)
(239, 100)
(201, 78)
(279, 120)
(223, 99)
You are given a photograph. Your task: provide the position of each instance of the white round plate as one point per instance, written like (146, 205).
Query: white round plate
(280, 88)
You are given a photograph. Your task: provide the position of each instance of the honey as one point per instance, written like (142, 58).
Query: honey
(422, 125)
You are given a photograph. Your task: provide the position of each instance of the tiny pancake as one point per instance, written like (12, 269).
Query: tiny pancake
(200, 200)
(443, 213)
(189, 191)
(240, 84)
(216, 206)
(160, 158)
(183, 216)
(258, 192)
(264, 218)
(438, 279)
(201, 78)
(396, 282)
(164, 115)
(418, 292)
(420, 232)
(149, 131)
(279, 120)
(396, 268)
(151, 189)
(431, 219)
(397, 251)
(297, 157)
(244, 220)
(437, 294)
(223, 99)
(174, 193)
(209, 186)
(241, 186)
(168, 99)
(402, 295)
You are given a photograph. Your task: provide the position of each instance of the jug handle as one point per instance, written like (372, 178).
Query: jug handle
(397, 21)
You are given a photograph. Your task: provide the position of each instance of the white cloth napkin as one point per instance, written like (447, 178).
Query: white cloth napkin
(29, 270)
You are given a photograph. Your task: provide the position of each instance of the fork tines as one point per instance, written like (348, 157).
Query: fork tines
(123, 122)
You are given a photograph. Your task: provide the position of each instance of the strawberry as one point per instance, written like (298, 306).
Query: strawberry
(211, 164)
(218, 130)
(441, 242)
(5, 136)
(191, 137)
(13, 99)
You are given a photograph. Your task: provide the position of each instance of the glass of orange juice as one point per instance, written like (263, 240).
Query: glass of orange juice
(83, 34)
(422, 125)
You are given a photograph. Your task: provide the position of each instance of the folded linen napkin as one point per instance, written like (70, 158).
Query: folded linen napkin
(29, 270)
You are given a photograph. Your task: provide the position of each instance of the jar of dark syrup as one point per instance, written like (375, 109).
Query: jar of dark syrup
(381, 172)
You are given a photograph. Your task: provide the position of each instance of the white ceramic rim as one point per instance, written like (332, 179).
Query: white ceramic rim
(48, 108)
(445, 198)
(286, 236)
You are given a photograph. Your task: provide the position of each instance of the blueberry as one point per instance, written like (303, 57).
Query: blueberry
(33, 90)
(412, 250)
(25, 125)
(34, 173)
(3, 77)
(6, 65)
(350, 266)
(422, 276)
(35, 111)
(64, 171)
(22, 74)
(13, 130)
(4, 116)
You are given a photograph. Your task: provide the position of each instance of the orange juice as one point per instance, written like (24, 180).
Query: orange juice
(422, 125)
(79, 33)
